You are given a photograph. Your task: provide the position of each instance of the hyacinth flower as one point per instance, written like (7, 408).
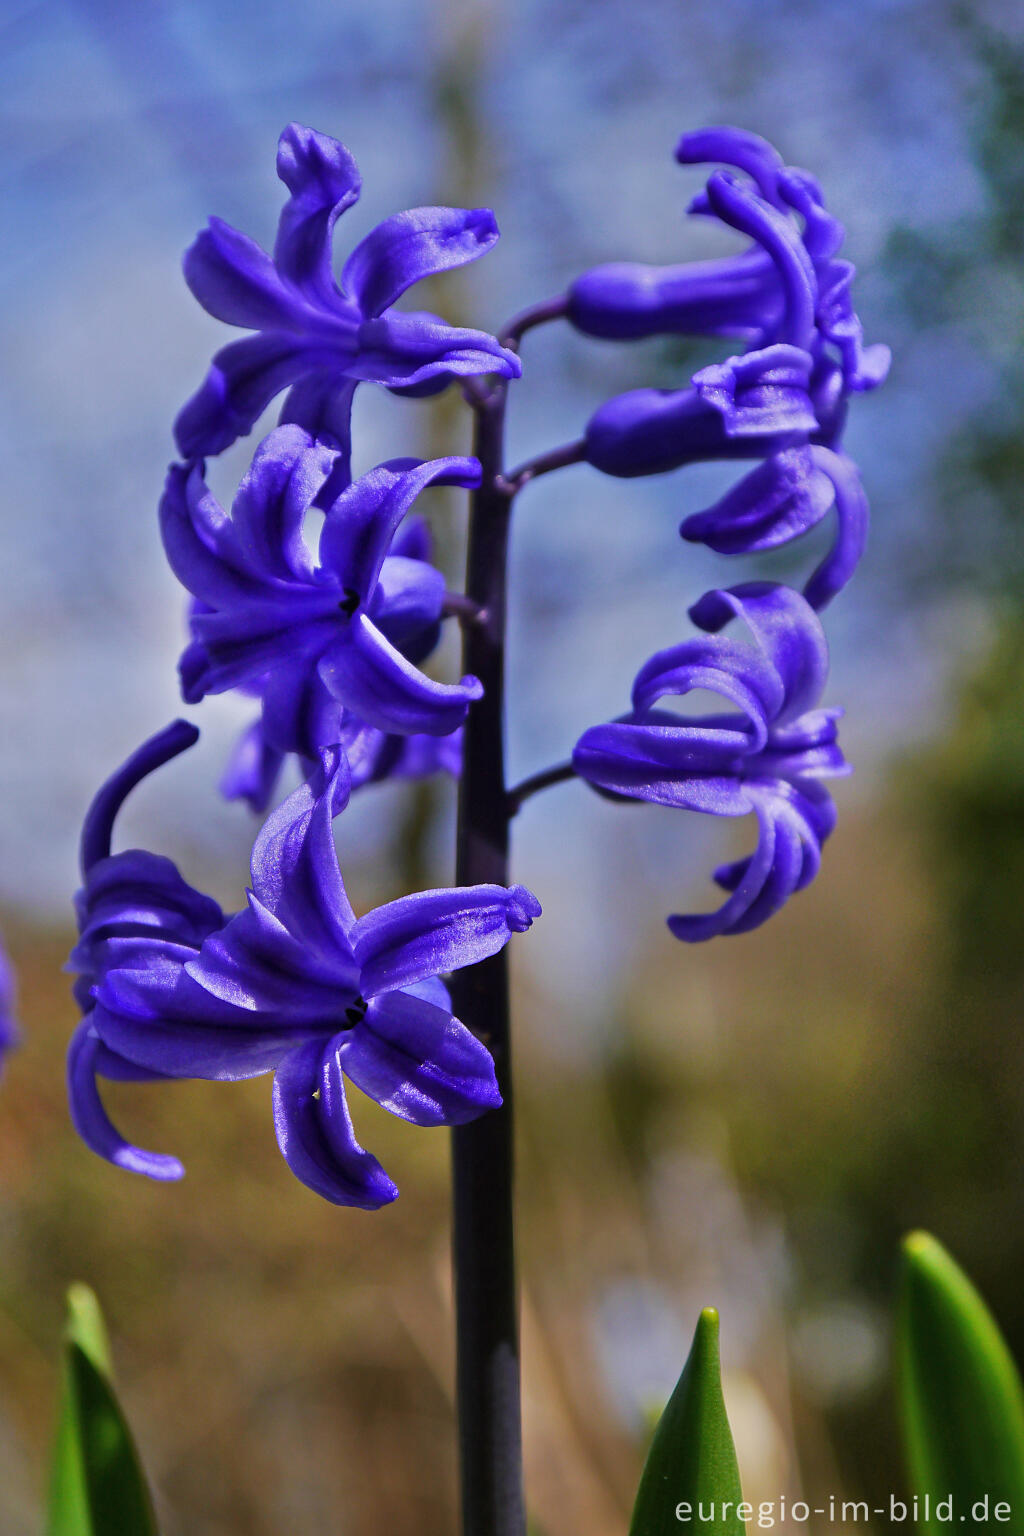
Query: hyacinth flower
(310, 637)
(301, 716)
(319, 338)
(767, 760)
(784, 400)
(294, 984)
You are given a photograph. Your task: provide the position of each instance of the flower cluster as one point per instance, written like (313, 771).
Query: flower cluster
(332, 648)
(782, 402)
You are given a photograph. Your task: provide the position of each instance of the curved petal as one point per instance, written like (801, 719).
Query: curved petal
(409, 347)
(780, 499)
(99, 819)
(373, 679)
(243, 379)
(743, 210)
(649, 431)
(734, 146)
(276, 492)
(675, 764)
(737, 672)
(323, 180)
(407, 603)
(295, 870)
(253, 769)
(362, 522)
(788, 634)
(91, 1120)
(138, 894)
(413, 245)
(423, 935)
(761, 394)
(852, 519)
(236, 281)
(314, 1131)
(419, 1062)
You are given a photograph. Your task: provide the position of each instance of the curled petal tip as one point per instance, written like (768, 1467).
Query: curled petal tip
(522, 908)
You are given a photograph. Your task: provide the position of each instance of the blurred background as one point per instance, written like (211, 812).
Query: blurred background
(750, 1124)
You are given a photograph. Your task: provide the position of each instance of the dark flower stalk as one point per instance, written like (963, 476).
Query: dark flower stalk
(487, 1332)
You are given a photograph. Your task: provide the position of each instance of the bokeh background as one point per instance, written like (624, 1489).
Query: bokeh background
(750, 1124)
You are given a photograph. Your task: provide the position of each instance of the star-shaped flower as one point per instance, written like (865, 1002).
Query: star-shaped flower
(294, 984)
(310, 637)
(316, 337)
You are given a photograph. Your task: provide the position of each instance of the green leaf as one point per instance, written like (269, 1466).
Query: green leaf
(960, 1396)
(692, 1459)
(97, 1487)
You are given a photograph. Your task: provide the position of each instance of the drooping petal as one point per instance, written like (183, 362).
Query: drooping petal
(137, 893)
(431, 932)
(743, 210)
(780, 499)
(666, 762)
(236, 281)
(99, 820)
(360, 526)
(243, 379)
(768, 879)
(323, 180)
(406, 605)
(411, 347)
(315, 1134)
(412, 245)
(253, 769)
(419, 1062)
(373, 679)
(852, 517)
(91, 1120)
(788, 634)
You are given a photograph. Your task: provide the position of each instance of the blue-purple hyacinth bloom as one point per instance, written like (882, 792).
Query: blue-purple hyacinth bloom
(769, 758)
(294, 984)
(9, 1031)
(316, 337)
(328, 645)
(784, 399)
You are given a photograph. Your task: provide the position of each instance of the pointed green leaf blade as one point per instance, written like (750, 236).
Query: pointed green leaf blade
(97, 1486)
(960, 1396)
(692, 1459)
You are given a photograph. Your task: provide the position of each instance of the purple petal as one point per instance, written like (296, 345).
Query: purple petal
(360, 526)
(743, 210)
(737, 672)
(768, 880)
(852, 519)
(410, 347)
(649, 431)
(314, 1131)
(788, 634)
(295, 870)
(372, 678)
(243, 379)
(667, 764)
(761, 393)
(406, 605)
(324, 180)
(137, 893)
(780, 499)
(419, 1062)
(236, 281)
(99, 820)
(423, 935)
(734, 146)
(278, 489)
(253, 769)
(91, 1120)
(411, 246)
